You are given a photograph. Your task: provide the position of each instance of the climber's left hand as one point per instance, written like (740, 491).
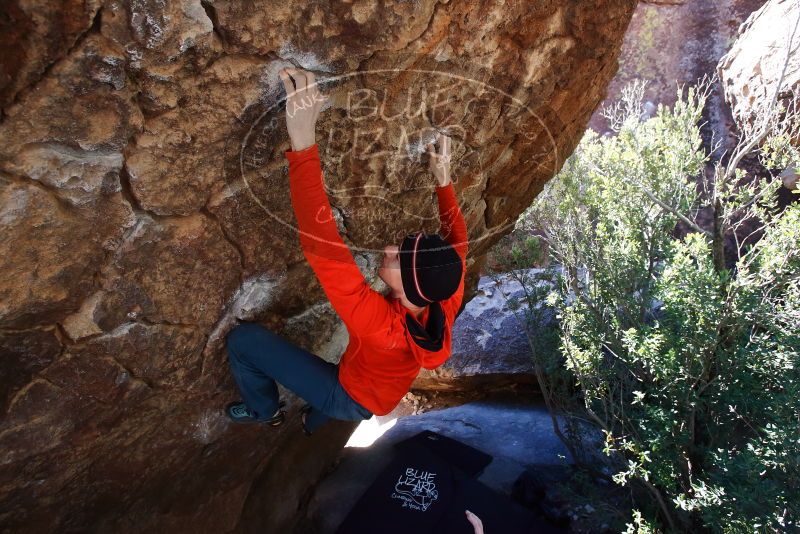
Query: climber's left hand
(303, 104)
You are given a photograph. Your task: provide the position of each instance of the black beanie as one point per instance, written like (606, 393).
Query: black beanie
(430, 268)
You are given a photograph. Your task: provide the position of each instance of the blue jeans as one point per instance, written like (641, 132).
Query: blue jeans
(259, 357)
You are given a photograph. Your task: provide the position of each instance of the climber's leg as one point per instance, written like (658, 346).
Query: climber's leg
(315, 419)
(339, 403)
(259, 357)
(258, 391)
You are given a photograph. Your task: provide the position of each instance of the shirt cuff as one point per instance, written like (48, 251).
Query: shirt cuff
(443, 187)
(301, 155)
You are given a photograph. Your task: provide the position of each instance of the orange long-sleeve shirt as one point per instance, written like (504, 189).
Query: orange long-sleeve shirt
(382, 358)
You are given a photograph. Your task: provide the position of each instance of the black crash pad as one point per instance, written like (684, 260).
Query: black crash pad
(410, 495)
(421, 492)
(469, 459)
(498, 513)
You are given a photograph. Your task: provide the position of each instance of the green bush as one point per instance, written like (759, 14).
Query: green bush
(689, 368)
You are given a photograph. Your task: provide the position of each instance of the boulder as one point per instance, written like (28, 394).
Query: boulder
(678, 42)
(144, 209)
(751, 69)
(491, 349)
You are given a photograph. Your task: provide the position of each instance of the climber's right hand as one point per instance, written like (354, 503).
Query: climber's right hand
(439, 162)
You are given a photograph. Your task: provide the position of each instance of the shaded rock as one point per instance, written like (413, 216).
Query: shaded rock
(257, 233)
(34, 35)
(101, 379)
(24, 353)
(159, 355)
(63, 249)
(37, 420)
(318, 330)
(535, 489)
(179, 270)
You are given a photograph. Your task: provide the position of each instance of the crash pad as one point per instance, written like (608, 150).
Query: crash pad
(422, 492)
(469, 460)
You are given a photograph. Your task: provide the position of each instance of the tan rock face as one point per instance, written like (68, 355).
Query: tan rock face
(144, 207)
(751, 69)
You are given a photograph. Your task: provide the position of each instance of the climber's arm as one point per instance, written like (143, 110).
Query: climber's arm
(451, 222)
(363, 310)
(452, 225)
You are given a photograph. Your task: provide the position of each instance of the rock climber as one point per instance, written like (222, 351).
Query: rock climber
(391, 336)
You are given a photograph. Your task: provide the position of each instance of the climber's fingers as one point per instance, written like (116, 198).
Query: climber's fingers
(299, 76)
(443, 142)
(310, 81)
(313, 92)
(434, 156)
(288, 84)
(432, 145)
(306, 88)
(444, 146)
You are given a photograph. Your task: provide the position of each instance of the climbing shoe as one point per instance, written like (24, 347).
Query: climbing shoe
(238, 412)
